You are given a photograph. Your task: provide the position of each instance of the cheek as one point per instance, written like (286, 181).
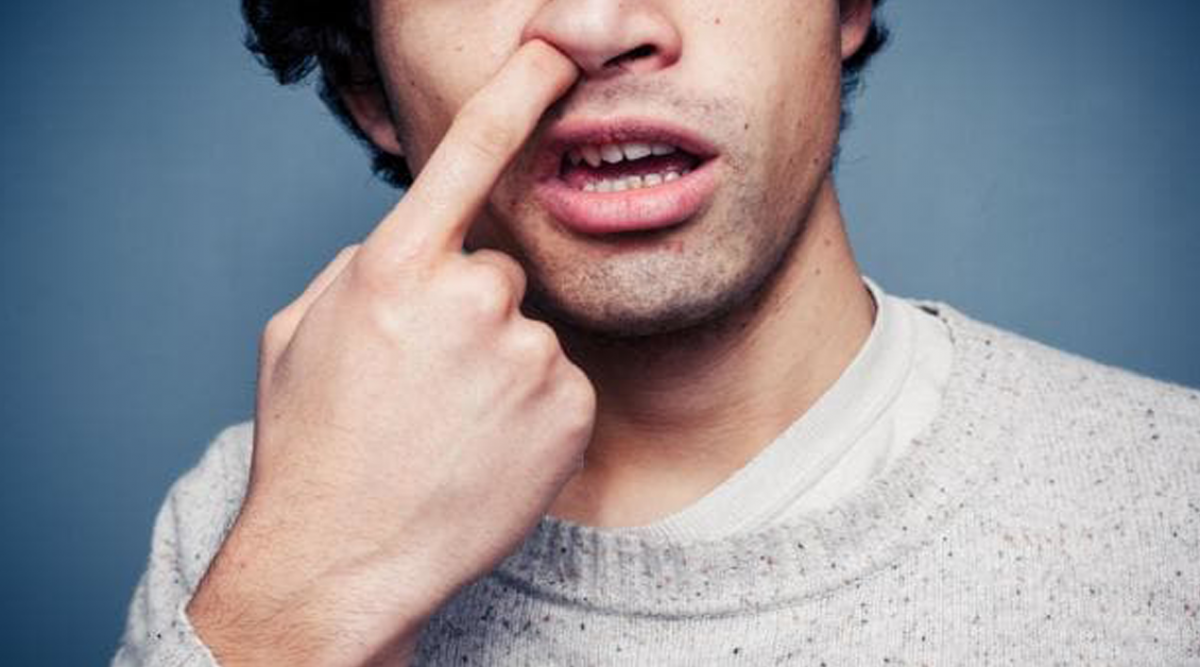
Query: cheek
(422, 101)
(786, 73)
(431, 66)
(805, 109)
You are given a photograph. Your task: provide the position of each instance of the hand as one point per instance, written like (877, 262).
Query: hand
(411, 427)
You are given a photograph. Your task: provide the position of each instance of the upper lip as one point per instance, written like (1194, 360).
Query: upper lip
(565, 135)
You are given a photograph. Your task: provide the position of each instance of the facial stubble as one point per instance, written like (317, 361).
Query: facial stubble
(647, 284)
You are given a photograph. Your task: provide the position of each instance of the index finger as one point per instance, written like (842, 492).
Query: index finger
(483, 138)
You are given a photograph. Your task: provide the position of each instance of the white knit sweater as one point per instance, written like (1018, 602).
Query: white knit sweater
(1050, 515)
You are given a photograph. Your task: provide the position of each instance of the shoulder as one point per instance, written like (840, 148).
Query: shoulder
(1089, 511)
(1092, 426)
(1078, 388)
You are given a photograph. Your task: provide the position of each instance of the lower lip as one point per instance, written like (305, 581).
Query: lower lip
(645, 209)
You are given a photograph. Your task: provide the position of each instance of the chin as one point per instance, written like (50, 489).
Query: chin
(626, 323)
(653, 307)
(697, 276)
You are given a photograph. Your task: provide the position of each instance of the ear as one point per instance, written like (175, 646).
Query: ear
(856, 21)
(371, 112)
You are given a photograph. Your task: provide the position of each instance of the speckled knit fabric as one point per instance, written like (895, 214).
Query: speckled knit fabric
(1050, 515)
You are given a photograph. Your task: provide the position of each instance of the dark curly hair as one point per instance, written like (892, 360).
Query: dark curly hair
(294, 38)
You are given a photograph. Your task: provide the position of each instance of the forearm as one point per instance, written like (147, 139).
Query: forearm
(260, 604)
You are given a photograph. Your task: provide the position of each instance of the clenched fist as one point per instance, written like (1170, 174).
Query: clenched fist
(411, 424)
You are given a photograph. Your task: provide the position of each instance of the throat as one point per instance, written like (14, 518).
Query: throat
(679, 412)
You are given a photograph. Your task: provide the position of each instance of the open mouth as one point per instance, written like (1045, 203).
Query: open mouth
(625, 166)
(626, 176)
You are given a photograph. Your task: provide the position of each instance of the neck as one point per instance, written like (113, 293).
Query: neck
(679, 414)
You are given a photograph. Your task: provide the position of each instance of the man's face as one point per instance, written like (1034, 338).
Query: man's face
(745, 95)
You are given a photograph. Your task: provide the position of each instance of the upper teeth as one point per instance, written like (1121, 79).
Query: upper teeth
(614, 153)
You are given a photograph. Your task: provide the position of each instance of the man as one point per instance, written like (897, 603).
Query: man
(652, 414)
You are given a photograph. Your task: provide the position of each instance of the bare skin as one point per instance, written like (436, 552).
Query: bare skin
(413, 424)
(681, 414)
(343, 545)
(763, 85)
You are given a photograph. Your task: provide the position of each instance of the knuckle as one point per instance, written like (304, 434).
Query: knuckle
(507, 268)
(278, 326)
(276, 332)
(539, 342)
(499, 259)
(485, 292)
(577, 395)
(371, 274)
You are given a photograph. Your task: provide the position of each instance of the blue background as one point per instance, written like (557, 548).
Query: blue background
(1030, 162)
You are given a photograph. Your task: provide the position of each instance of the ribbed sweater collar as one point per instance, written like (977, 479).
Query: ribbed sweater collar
(900, 510)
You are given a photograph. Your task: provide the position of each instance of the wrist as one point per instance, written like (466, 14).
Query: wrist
(334, 620)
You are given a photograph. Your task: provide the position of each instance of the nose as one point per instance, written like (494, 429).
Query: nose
(608, 37)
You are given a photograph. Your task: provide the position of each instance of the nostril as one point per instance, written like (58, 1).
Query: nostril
(644, 51)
